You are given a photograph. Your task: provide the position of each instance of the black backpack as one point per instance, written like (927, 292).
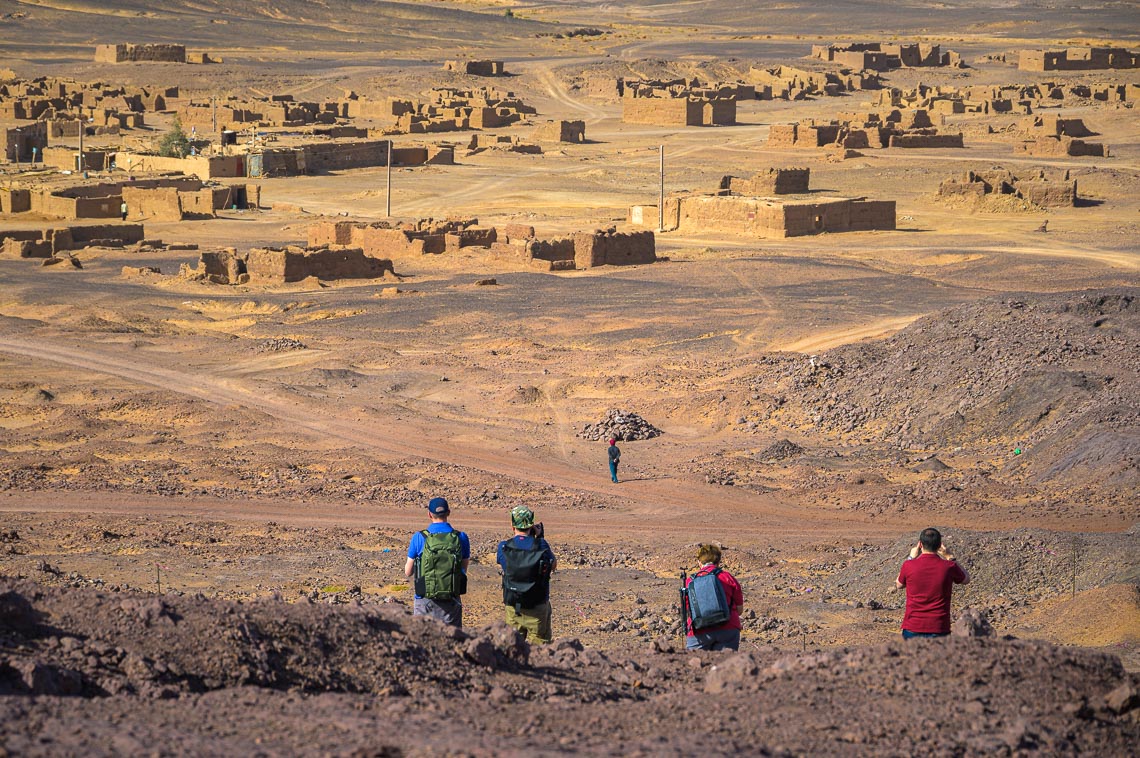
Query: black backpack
(708, 605)
(526, 575)
(439, 569)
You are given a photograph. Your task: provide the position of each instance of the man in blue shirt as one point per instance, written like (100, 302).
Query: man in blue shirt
(447, 610)
(527, 562)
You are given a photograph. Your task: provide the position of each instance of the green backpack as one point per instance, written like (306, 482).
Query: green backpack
(439, 570)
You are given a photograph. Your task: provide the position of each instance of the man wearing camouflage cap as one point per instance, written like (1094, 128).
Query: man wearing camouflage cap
(527, 561)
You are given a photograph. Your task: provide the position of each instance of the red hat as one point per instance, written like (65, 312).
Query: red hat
(613, 442)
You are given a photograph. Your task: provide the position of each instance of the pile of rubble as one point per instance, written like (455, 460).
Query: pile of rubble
(618, 425)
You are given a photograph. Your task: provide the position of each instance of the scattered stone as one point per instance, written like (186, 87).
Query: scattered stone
(972, 623)
(279, 344)
(485, 282)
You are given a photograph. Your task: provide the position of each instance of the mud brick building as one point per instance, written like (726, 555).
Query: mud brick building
(275, 266)
(884, 56)
(580, 250)
(855, 131)
(1078, 59)
(1041, 189)
(785, 215)
(128, 53)
(672, 105)
(45, 243)
(789, 83)
(476, 68)
(561, 131)
(772, 181)
(1048, 146)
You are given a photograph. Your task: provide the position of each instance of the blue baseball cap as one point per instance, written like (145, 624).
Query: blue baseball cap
(438, 506)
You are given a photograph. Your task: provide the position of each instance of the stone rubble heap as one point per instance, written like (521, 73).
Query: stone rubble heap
(622, 426)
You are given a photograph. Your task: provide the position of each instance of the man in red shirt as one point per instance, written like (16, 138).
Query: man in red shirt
(929, 576)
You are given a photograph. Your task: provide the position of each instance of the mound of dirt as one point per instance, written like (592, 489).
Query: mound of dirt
(268, 677)
(1054, 375)
(620, 425)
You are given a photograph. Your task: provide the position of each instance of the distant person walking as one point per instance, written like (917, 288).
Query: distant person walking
(615, 458)
(437, 562)
(527, 562)
(123, 210)
(713, 602)
(929, 576)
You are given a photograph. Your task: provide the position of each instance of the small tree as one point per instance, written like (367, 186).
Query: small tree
(175, 143)
(509, 13)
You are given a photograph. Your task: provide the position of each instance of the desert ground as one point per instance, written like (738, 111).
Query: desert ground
(207, 491)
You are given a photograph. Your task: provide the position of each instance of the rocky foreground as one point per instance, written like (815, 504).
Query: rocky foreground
(95, 673)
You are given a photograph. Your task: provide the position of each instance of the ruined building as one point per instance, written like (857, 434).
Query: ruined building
(855, 131)
(1078, 59)
(677, 104)
(884, 56)
(516, 243)
(1041, 189)
(580, 250)
(776, 215)
(275, 266)
(561, 131)
(476, 68)
(127, 53)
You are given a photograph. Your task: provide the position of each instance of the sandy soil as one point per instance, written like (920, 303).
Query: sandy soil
(822, 399)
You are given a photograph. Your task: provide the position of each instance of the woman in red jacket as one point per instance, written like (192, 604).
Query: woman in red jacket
(724, 636)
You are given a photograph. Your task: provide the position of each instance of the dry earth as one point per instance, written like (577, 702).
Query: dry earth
(206, 492)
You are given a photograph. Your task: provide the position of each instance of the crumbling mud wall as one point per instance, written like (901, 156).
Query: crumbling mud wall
(275, 266)
(613, 248)
(561, 131)
(476, 68)
(43, 243)
(1078, 59)
(1047, 146)
(128, 53)
(1040, 189)
(772, 181)
(766, 217)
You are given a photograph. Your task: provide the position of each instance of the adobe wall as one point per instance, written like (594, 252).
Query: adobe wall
(201, 166)
(773, 181)
(561, 131)
(324, 233)
(926, 140)
(1078, 59)
(124, 53)
(278, 266)
(15, 200)
(1048, 146)
(159, 204)
(476, 68)
(872, 215)
(19, 142)
(613, 248)
(658, 111)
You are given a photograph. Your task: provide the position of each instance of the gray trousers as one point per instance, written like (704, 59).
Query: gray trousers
(721, 639)
(447, 611)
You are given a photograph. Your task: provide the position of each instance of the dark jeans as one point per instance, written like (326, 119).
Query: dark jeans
(911, 635)
(447, 611)
(720, 639)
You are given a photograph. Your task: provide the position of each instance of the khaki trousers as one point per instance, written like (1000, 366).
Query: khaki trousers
(535, 622)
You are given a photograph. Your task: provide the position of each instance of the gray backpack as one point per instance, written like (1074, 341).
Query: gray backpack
(708, 605)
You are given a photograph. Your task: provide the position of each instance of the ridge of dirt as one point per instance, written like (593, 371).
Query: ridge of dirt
(110, 666)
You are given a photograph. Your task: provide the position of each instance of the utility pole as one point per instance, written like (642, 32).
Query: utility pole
(661, 201)
(388, 193)
(82, 129)
(214, 114)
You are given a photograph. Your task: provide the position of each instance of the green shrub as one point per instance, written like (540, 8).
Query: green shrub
(175, 143)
